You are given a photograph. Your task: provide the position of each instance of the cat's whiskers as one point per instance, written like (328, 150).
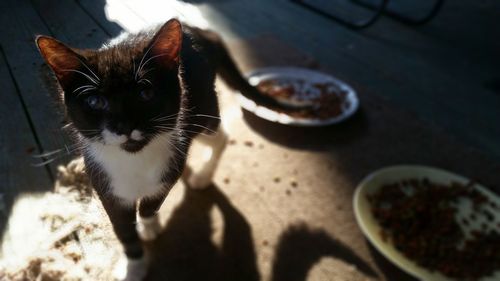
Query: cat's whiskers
(178, 149)
(144, 80)
(95, 82)
(88, 68)
(41, 164)
(142, 59)
(205, 115)
(147, 71)
(163, 118)
(84, 87)
(158, 117)
(166, 129)
(173, 116)
(67, 150)
(49, 153)
(85, 90)
(200, 126)
(141, 66)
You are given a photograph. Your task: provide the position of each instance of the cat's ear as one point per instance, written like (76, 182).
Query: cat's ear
(166, 44)
(61, 59)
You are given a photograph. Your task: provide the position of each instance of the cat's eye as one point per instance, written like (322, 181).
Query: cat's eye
(97, 102)
(146, 94)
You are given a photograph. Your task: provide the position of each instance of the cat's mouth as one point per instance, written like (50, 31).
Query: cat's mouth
(133, 146)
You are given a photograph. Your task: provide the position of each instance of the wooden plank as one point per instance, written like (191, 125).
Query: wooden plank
(113, 17)
(69, 23)
(96, 10)
(18, 25)
(17, 144)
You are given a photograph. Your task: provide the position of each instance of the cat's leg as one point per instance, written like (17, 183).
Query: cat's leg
(217, 143)
(123, 218)
(148, 223)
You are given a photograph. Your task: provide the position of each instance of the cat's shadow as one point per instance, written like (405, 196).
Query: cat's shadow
(186, 251)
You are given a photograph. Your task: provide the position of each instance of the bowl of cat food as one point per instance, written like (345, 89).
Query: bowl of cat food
(433, 224)
(308, 97)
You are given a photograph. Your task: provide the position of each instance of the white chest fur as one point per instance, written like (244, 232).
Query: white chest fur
(134, 175)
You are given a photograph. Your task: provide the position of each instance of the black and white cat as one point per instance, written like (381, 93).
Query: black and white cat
(136, 104)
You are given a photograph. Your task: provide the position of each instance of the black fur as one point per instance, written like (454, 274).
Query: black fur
(170, 84)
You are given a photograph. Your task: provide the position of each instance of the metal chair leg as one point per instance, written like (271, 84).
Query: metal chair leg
(404, 19)
(378, 11)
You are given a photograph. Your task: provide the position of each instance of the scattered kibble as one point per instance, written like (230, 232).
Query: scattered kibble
(277, 179)
(232, 142)
(248, 143)
(265, 243)
(288, 192)
(294, 184)
(227, 180)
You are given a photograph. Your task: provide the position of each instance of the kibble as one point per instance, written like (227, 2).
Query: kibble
(423, 227)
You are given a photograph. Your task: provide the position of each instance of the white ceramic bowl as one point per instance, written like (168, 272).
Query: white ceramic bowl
(371, 228)
(349, 107)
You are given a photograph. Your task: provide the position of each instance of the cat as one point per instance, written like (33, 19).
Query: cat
(135, 105)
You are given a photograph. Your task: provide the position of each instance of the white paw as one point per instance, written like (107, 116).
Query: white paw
(200, 180)
(131, 269)
(148, 228)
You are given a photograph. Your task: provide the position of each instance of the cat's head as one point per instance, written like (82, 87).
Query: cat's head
(123, 94)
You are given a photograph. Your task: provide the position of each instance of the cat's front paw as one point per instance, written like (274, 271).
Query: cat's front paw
(200, 180)
(148, 228)
(131, 270)
(197, 180)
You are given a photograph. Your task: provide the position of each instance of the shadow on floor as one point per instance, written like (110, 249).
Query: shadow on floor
(309, 138)
(300, 248)
(186, 251)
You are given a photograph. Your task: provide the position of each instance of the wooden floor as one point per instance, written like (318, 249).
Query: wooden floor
(445, 72)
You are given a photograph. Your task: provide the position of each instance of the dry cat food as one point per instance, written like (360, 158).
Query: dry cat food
(422, 219)
(322, 100)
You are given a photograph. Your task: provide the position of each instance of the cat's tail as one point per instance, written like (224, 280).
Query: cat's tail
(227, 69)
(230, 73)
